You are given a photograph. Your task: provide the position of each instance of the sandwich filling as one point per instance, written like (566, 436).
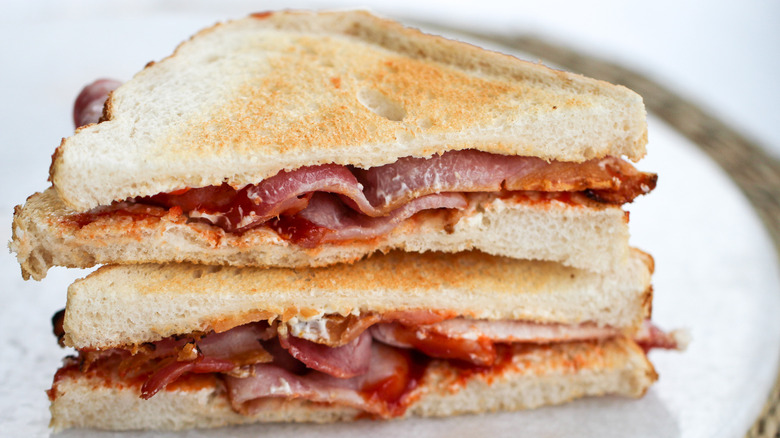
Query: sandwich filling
(370, 362)
(335, 203)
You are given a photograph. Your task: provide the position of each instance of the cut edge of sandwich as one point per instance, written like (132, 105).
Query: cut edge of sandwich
(45, 235)
(538, 376)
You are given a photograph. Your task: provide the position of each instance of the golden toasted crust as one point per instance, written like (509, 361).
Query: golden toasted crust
(295, 89)
(129, 305)
(537, 376)
(45, 234)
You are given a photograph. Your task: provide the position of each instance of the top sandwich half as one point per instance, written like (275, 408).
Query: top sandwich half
(243, 100)
(299, 139)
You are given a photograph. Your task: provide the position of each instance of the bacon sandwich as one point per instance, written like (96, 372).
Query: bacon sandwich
(298, 139)
(329, 216)
(393, 335)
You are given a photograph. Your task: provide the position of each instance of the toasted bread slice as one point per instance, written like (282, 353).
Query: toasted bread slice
(536, 376)
(46, 234)
(245, 99)
(130, 305)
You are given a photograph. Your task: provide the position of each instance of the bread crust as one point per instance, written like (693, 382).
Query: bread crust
(300, 88)
(595, 239)
(537, 376)
(128, 305)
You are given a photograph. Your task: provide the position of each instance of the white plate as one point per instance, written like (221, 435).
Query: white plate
(716, 268)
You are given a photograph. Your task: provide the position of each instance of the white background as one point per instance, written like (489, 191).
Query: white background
(716, 269)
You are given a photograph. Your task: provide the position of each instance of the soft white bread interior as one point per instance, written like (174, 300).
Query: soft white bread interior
(242, 100)
(128, 305)
(45, 234)
(543, 375)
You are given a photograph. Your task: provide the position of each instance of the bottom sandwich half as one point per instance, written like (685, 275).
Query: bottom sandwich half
(183, 346)
(530, 377)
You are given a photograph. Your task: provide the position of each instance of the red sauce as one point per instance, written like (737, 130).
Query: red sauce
(134, 212)
(480, 351)
(467, 370)
(108, 369)
(104, 368)
(212, 198)
(193, 382)
(394, 392)
(298, 230)
(572, 199)
(70, 366)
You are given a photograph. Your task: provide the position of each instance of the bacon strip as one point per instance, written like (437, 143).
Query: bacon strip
(287, 192)
(170, 358)
(349, 360)
(241, 345)
(342, 223)
(388, 378)
(386, 190)
(408, 178)
(169, 373)
(478, 350)
(88, 107)
(650, 337)
(474, 340)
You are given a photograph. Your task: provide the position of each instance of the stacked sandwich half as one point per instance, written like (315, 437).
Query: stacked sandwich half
(328, 216)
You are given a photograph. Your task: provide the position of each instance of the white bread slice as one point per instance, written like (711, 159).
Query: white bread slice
(245, 99)
(538, 376)
(584, 237)
(128, 305)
